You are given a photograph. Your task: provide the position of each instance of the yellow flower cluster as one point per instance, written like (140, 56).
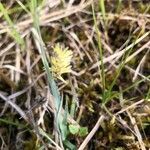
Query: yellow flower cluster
(60, 61)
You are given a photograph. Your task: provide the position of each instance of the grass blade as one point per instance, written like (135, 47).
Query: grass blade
(13, 32)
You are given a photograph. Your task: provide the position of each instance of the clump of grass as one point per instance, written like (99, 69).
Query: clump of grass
(104, 88)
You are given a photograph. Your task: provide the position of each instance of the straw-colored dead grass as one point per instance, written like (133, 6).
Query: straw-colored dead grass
(119, 123)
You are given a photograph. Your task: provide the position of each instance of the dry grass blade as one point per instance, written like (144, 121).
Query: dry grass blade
(16, 107)
(140, 65)
(81, 58)
(136, 129)
(91, 134)
(120, 53)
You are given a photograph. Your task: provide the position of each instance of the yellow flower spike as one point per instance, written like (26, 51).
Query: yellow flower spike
(60, 61)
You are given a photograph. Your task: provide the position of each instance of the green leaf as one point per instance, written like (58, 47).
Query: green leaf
(63, 121)
(69, 145)
(74, 129)
(63, 128)
(83, 131)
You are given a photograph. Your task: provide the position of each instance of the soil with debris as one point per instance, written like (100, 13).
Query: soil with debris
(98, 97)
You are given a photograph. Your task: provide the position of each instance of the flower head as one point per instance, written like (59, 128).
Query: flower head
(60, 61)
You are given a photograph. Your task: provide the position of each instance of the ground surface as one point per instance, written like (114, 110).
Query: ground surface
(75, 74)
